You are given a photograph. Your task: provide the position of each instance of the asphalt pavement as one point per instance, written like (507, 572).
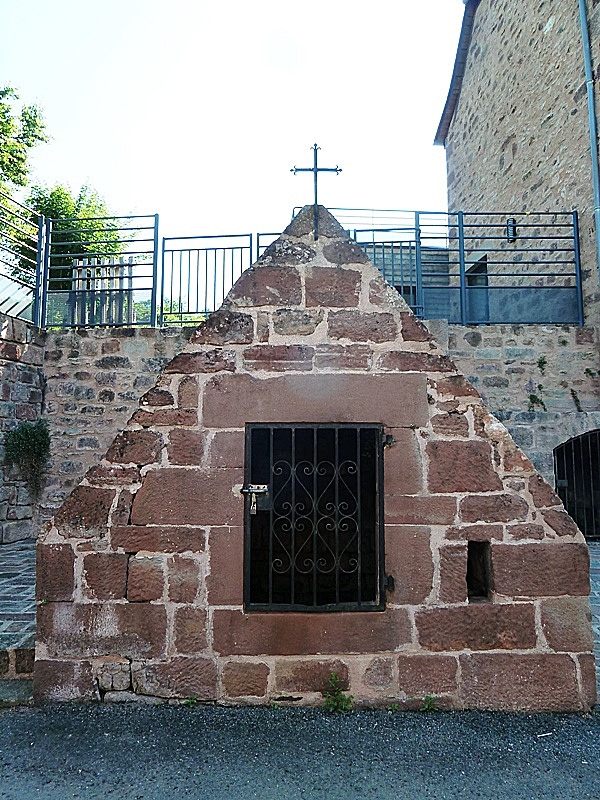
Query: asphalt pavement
(211, 753)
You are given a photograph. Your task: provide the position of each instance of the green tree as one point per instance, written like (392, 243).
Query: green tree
(78, 228)
(19, 132)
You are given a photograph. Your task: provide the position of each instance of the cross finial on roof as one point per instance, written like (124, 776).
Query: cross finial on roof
(315, 170)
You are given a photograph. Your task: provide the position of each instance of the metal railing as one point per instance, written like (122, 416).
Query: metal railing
(468, 268)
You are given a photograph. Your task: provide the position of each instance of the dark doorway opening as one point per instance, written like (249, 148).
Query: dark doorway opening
(577, 473)
(314, 532)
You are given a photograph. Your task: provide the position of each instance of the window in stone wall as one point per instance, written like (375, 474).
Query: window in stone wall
(314, 518)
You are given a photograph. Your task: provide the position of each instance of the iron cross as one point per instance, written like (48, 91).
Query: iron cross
(315, 170)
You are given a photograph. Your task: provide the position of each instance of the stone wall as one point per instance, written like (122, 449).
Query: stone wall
(141, 571)
(21, 398)
(519, 139)
(542, 381)
(94, 380)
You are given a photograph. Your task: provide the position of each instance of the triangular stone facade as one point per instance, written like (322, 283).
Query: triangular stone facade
(141, 572)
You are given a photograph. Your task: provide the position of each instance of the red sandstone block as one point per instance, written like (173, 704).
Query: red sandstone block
(455, 386)
(475, 533)
(481, 626)
(510, 682)
(145, 579)
(415, 510)
(328, 287)
(452, 424)
(74, 630)
(516, 462)
(225, 583)
(541, 570)
(308, 675)
(135, 447)
(278, 285)
(168, 417)
(493, 508)
(85, 512)
(560, 522)
(227, 450)
(55, 579)
(177, 678)
(421, 675)
(115, 475)
(379, 674)
(236, 633)
(187, 394)
(526, 530)
(105, 575)
(63, 681)
(216, 360)
(157, 397)
(186, 447)
(408, 559)
(567, 624)
(224, 327)
(343, 356)
(588, 681)
(453, 574)
(189, 630)
(413, 329)
(245, 679)
(231, 401)
(120, 514)
(360, 326)
(405, 361)
(183, 579)
(295, 322)
(189, 497)
(541, 492)
(457, 466)
(279, 357)
(345, 252)
(403, 468)
(160, 539)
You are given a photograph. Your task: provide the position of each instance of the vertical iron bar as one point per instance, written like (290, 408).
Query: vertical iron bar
(591, 474)
(315, 509)
(153, 304)
(358, 517)
(418, 266)
(336, 475)
(46, 272)
(248, 519)
(272, 487)
(293, 521)
(316, 205)
(462, 268)
(39, 261)
(578, 281)
(574, 473)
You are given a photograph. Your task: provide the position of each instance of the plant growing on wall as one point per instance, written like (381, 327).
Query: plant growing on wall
(28, 447)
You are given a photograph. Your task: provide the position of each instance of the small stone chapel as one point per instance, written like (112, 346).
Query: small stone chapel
(312, 488)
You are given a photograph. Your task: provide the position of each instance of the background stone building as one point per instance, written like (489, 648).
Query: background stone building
(516, 128)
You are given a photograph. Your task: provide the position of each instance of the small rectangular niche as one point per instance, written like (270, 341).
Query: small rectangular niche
(479, 570)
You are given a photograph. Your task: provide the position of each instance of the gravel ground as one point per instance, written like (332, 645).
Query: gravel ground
(150, 753)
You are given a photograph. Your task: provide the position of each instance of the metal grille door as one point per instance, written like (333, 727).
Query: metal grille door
(577, 472)
(313, 518)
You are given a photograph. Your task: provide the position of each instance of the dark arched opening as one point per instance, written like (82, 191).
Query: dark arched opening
(577, 473)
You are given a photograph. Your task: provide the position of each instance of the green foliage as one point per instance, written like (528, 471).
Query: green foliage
(77, 228)
(542, 363)
(429, 704)
(537, 400)
(393, 708)
(335, 700)
(19, 132)
(28, 446)
(191, 701)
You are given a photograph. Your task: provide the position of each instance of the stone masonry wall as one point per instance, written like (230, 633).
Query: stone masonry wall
(542, 381)
(140, 572)
(94, 380)
(519, 139)
(21, 398)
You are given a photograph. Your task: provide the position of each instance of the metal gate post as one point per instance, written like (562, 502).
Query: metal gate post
(419, 305)
(154, 304)
(577, 255)
(462, 267)
(39, 267)
(45, 270)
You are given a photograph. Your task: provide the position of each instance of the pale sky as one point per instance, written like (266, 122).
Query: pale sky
(198, 109)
